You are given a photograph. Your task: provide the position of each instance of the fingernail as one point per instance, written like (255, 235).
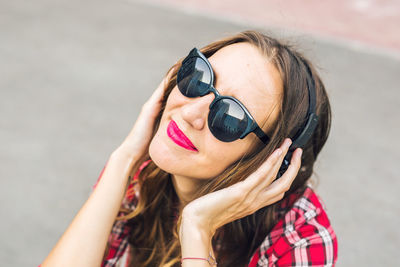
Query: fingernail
(288, 141)
(300, 153)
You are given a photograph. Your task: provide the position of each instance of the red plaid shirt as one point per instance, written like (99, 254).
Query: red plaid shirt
(303, 237)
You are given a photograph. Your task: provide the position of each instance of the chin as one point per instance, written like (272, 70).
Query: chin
(162, 155)
(173, 159)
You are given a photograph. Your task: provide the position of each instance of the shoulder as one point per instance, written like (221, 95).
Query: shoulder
(303, 237)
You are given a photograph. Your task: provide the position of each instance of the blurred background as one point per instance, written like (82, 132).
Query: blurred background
(74, 75)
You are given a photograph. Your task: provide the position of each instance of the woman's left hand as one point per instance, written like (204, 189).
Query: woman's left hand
(218, 208)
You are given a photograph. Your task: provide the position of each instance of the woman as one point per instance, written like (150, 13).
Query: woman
(215, 157)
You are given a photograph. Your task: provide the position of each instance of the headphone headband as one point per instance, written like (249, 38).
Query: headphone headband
(303, 135)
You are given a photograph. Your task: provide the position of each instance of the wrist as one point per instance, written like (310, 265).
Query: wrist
(125, 154)
(199, 261)
(190, 218)
(191, 226)
(123, 161)
(194, 239)
(196, 245)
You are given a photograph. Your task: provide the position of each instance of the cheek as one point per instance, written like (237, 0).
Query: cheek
(167, 156)
(175, 99)
(209, 162)
(206, 164)
(220, 154)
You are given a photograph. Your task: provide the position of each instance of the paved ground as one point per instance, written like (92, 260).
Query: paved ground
(75, 74)
(372, 24)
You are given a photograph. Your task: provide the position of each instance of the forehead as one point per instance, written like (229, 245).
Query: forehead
(243, 72)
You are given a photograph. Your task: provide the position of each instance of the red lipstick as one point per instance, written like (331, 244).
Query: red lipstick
(179, 137)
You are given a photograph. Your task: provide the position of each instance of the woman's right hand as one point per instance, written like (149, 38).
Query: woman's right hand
(138, 140)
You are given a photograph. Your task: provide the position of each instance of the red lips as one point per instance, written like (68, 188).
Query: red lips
(179, 137)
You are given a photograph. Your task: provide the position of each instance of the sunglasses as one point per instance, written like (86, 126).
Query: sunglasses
(228, 118)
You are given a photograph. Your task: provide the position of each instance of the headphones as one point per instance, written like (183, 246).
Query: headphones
(304, 134)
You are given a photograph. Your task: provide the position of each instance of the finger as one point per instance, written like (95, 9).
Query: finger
(276, 198)
(267, 178)
(283, 184)
(259, 175)
(151, 108)
(262, 177)
(285, 148)
(159, 92)
(294, 167)
(266, 173)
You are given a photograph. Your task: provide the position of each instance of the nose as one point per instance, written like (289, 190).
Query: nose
(195, 111)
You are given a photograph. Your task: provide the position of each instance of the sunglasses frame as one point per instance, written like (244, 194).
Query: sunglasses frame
(252, 125)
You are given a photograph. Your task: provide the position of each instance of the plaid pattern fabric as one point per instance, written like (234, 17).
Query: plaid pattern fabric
(117, 245)
(303, 237)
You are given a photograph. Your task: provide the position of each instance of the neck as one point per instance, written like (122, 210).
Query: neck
(186, 188)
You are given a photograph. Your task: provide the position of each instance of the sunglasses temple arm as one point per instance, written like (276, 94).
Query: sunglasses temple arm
(260, 134)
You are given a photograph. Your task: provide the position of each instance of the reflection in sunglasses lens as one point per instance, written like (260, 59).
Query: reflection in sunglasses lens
(227, 120)
(194, 77)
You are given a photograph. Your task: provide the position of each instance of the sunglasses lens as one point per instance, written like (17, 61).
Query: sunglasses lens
(194, 77)
(227, 120)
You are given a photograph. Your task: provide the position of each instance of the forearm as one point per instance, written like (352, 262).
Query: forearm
(195, 243)
(84, 241)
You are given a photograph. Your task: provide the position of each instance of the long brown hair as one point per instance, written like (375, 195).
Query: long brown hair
(154, 235)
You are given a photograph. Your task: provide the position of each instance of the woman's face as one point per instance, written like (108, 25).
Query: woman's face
(240, 71)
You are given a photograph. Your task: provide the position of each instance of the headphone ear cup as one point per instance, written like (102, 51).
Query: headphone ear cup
(285, 165)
